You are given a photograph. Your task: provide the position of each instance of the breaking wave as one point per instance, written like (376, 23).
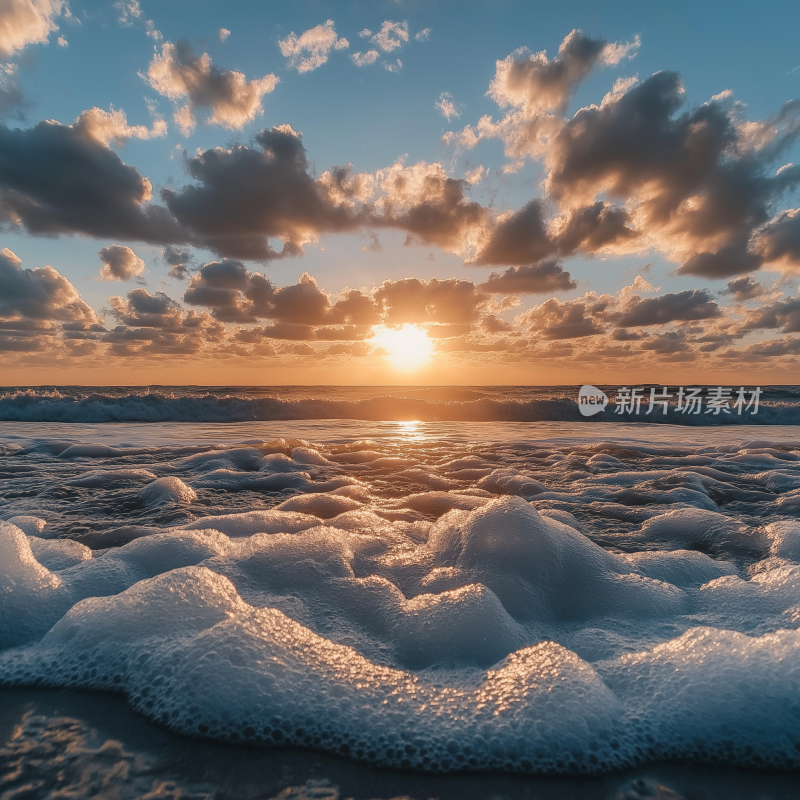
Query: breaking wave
(496, 404)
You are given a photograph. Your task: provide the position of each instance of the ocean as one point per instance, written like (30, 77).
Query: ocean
(396, 592)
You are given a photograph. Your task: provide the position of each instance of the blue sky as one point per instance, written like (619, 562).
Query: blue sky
(390, 112)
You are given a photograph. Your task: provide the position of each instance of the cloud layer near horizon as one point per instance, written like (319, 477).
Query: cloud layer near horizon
(228, 312)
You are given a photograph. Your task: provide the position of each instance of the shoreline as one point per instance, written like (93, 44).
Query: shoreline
(84, 742)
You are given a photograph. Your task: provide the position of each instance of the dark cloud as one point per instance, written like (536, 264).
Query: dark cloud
(120, 263)
(668, 343)
(178, 260)
(743, 289)
(58, 179)
(431, 207)
(548, 276)
(156, 325)
(12, 102)
(412, 300)
(784, 314)
(245, 195)
(554, 319)
(778, 242)
(234, 294)
(732, 260)
(525, 237)
(141, 309)
(39, 294)
(699, 182)
(522, 238)
(623, 335)
(682, 306)
(593, 228)
(492, 324)
(37, 305)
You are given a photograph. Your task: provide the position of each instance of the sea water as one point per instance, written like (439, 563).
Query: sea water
(549, 597)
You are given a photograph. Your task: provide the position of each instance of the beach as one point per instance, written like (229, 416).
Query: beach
(353, 608)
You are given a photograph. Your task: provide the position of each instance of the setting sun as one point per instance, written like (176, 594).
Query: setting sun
(407, 347)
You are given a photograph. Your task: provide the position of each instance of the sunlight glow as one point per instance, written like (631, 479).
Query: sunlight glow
(408, 348)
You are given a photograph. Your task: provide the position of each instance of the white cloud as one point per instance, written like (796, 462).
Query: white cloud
(423, 35)
(391, 36)
(364, 59)
(24, 22)
(234, 101)
(223, 34)
(476, 175)
(130, 13)
(447, 107)
(311, 49)
(396, 67)
(112, 126)
(365, 34)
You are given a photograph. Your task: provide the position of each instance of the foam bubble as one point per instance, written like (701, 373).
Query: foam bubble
(168, 490)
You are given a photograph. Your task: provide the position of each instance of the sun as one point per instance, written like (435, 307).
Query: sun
(408, 347)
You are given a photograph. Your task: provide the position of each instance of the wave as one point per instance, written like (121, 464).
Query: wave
(209, 407)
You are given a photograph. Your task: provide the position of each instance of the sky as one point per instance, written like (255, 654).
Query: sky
(399, 192)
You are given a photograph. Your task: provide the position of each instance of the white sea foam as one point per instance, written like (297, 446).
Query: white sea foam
(558, 607)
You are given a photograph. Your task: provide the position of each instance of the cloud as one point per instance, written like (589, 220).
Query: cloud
(234, 294)
(142, 309)
(698, 183)
(311, 49)
(423, 35)
(38, 294)
(430, 206)
(233, 101)
(744, 289)
(447, 107)
(60, 179)
(784, 314)
(778, 242)
(548, 276)
(532, 82)
(556, 320)
(120, 263)
(223, 34)
(520, 237)
(40, 309)
(492, 325)
(391, 36)
(636, 170)
(684, 306)
(525, 236)
(112, 126)
(178, 260)
(365, 59)
(12, 101)
(130, 13)
(412, 300)
(24, 22)
(155, 325)
(245, 195)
